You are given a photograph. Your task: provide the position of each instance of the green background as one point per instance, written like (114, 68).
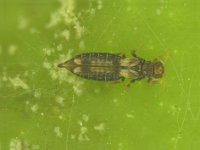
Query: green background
(47, 108)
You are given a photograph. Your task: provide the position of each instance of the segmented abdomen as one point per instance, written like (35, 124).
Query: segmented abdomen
(98, 59)
(97, 66)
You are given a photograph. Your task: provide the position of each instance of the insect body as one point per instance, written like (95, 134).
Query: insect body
(111, 67)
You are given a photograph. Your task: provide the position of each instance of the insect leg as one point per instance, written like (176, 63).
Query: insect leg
(122, 79)
(132, 81)
(121, 55)
(153, 80)
(133, 53)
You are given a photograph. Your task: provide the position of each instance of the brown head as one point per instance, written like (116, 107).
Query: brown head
(158, 69)
(154, 69)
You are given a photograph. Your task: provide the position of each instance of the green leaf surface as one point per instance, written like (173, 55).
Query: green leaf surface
(43, 107)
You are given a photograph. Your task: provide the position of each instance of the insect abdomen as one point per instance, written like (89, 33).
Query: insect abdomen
(98, 73)
(98, 59)
(100, 76)
(95, 66)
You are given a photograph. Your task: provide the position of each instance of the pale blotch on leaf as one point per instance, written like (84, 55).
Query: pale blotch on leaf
(12, 49)
(48, 51)
(174, 110)
(33, 30)
(158, 12)
(4, 77)
(60, 100)
(47, 65)
(19, 144)
(66, 15)
(65, 34)
(27, 102)
(22, 23)
(77, 87)
(16, 82)
(99, 4)
(83, 134)
(61, 117)
(58, 74)
(82, 45)
(34, 108)
(26, 73)
(129, 9)
(100, 127)
(62, 75)
(80, 123)
(73, 136)
(176, 138)
(58, 132)
(130, 115)
(37, 93)
(85, 117)
(60, 47)
(15, 144)
(115, 100)
(79, 29)
(120, 146)
(55, 19)
(161, 104)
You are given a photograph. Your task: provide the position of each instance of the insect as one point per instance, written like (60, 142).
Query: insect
(113, 67)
